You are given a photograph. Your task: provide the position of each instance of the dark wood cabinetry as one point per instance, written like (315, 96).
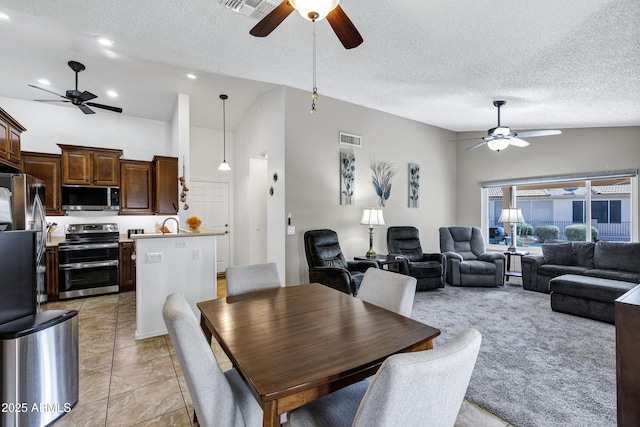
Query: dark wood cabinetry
(10, 131)
(165, 185)
(627, 359)
(52, 273)
(90, 166)
(127, 267)
(47, 168)
(136, 180)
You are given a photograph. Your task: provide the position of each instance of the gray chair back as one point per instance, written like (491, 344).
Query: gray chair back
(404, 240)
(247, 278)
(392, 291)
(323, 249)
(210, 390)
(466, 241)
(419, 389)
(424, 388)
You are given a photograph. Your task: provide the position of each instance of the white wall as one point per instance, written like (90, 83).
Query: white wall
(260, 135)
(313, 176)
(574, 151)
(48, 125)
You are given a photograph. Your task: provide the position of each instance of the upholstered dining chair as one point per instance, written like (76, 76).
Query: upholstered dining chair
(220, 399)
(389, 290)
(468, 262)
(424, 388)
(428, 269)
(246, 278)
(327, 264)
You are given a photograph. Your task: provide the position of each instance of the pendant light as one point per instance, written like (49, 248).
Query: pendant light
(224, 166)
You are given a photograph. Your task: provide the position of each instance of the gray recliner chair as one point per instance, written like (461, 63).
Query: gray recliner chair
(468, 263)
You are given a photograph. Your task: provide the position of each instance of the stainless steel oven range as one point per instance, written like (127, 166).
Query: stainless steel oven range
(89, 260)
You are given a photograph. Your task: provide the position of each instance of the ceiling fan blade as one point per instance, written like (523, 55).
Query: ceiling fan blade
(344, 28)
(272, 20)
(517, 142)
(86, 109)
(464, 139)
(105, 107)
(46, 90)
(532, 133)
(478, 145)
(52, 100)
(86, 96)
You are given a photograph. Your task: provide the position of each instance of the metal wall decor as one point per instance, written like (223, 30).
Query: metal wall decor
(382, 173)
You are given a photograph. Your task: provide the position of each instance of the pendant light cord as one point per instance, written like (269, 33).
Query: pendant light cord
(314, 95)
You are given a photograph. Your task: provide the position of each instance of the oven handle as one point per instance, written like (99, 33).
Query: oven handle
(95, 264)
(88, 246)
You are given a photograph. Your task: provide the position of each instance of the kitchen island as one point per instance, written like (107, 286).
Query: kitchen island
(184, 263)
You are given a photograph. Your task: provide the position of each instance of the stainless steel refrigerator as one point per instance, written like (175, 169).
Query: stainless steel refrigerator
(22, 207)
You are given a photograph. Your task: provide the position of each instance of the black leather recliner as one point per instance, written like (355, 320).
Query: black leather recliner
(428, 269)
(327, 264)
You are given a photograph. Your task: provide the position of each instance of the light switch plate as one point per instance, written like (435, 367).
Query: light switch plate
(291, 230)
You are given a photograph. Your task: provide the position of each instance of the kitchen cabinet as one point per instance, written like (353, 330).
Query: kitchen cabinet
(47, 168)
(165, 171)
(90, 166)
(136, 180)
(127, 267)
(52, 273)
(10, 131)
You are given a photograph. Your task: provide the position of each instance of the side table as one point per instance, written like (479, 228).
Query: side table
(382, 260)
(508, 272)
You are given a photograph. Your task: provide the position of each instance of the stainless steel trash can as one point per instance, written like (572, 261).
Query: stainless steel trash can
(39, 374)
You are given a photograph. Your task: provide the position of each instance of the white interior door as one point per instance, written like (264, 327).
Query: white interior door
(210, 202)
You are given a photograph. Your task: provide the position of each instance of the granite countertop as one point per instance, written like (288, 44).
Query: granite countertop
(183, 233)
(56, 240)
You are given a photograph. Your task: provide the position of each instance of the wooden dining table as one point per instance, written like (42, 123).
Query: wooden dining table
(294, 344)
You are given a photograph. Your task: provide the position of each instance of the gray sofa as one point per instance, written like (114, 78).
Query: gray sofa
(606, 260)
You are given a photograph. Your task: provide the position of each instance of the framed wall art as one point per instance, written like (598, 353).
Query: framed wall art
(347, 178)
(414, 185)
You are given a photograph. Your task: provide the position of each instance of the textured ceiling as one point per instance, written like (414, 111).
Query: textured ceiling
(559, 64)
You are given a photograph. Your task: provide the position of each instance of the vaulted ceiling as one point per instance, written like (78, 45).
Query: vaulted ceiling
(559, 64)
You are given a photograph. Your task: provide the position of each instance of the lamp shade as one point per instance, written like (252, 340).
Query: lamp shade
(372, 216)
(308, 8)
(498, 144)
(511, 216)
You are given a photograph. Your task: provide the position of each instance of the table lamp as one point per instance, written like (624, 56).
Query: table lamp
(371, 217)
(512, 216)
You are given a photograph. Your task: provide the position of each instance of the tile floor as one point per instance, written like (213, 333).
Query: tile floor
(124, 382)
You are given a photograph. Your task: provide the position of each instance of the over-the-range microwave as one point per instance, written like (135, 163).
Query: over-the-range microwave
(81, 198)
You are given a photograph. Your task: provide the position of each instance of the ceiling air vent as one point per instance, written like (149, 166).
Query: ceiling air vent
(256, 9)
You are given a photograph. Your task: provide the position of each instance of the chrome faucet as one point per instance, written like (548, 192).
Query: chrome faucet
(165, 221)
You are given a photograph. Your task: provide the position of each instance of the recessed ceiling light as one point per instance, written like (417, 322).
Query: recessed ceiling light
(191, 76)
(105, 42)
(44, 82)
(4, 16)
(112, 93)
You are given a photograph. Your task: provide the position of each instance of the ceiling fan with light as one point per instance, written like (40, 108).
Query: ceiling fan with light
(313, 10)
(500, 137)
(77, 98)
